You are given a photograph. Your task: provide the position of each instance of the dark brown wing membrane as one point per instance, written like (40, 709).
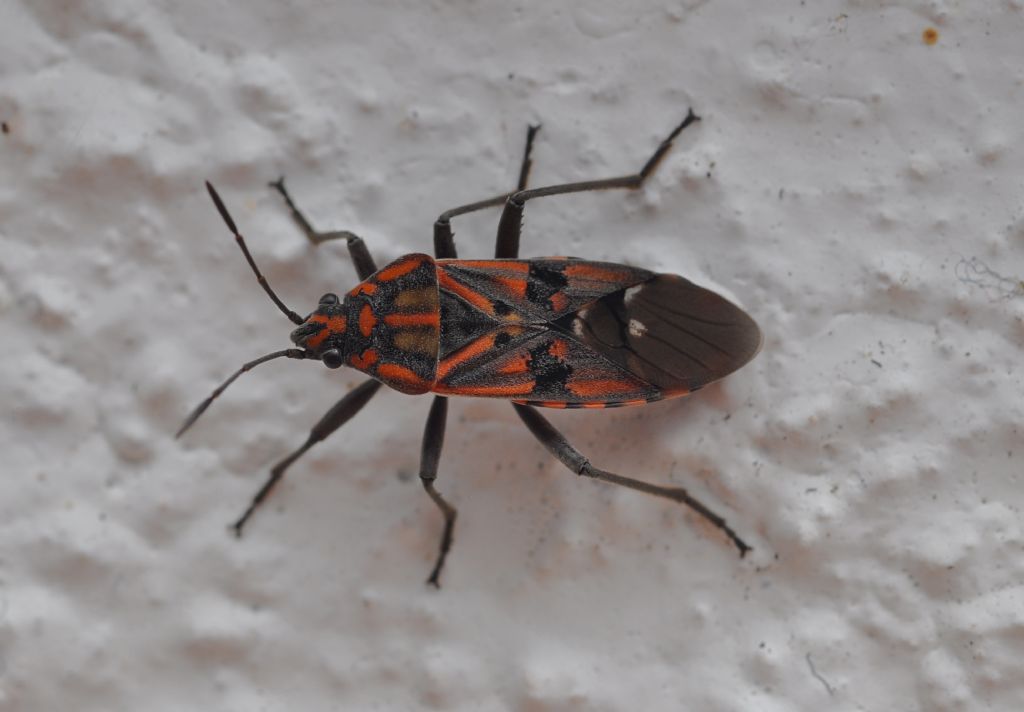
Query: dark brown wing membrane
(669, 332)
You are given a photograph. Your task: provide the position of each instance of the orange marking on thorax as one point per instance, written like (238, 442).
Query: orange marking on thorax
(394, 372)
(428, 319)
(366, 288)
(364, 360)
(397, 270)
(475, 298)
(466, 353)
(367, 320)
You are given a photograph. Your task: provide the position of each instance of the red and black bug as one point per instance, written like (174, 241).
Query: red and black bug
(553, 332)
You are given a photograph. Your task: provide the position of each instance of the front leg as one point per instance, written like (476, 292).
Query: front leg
(361, 257)
(339, 414)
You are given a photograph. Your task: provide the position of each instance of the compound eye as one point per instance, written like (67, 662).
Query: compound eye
(329, 299)
(331, 357)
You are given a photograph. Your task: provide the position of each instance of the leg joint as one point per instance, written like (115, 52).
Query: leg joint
(583, 467)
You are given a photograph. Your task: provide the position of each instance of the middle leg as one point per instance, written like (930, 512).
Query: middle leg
(338, 415)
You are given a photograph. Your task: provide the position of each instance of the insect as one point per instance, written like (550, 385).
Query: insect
(551, 332)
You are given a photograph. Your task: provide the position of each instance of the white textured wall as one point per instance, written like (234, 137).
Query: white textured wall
(858, 190)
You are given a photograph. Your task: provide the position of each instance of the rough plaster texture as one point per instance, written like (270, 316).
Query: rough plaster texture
(858, 189)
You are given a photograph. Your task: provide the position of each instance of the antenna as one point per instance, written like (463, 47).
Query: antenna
(201, 408)
(296, 319)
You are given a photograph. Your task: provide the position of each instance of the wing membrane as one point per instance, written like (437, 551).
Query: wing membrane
(670, 332)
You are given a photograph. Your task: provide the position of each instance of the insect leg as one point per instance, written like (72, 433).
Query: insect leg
(338, 415)
(444, 240)
(433, 441)
(556, 443)
(511, 221)
(527, 164)
(361, 258)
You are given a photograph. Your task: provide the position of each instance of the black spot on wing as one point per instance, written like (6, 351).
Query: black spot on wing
(543, 282)
(551, 373)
